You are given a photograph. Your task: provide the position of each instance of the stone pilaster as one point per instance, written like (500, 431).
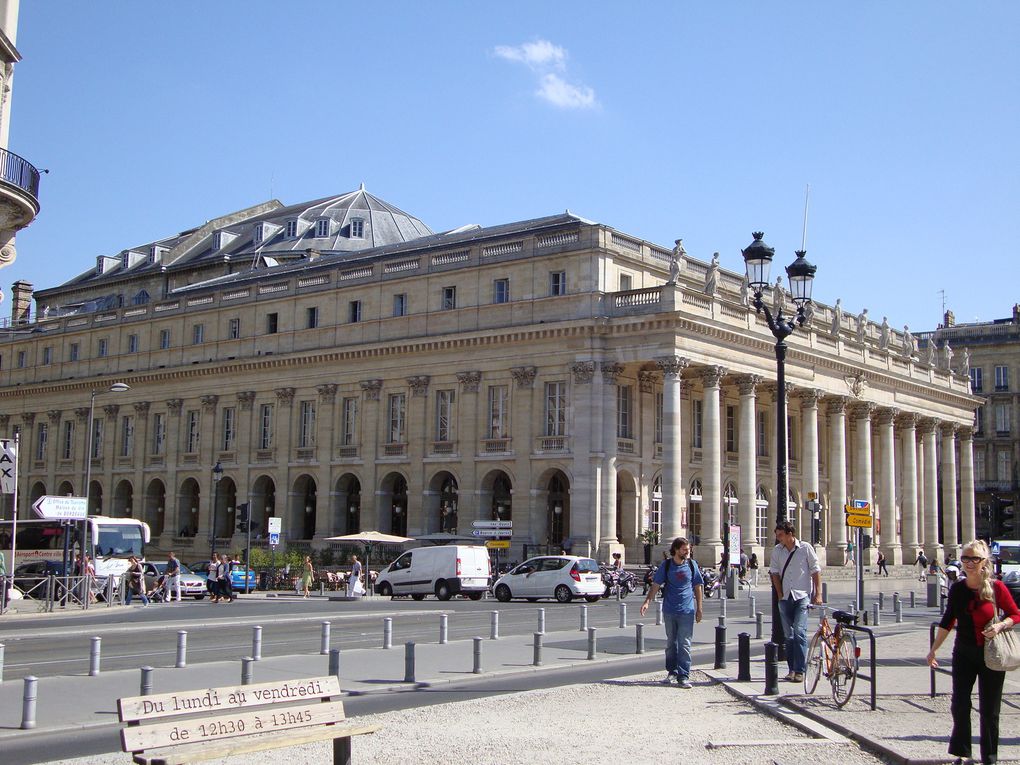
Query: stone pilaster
(809, 462)
(838, 495)
(930, 523)
(674, 498)
(968, 521)
(889, 541)
(748, 466)
(950, 538)
(908, 486)
(711, 457)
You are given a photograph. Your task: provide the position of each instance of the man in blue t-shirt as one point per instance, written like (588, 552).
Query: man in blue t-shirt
(680, 580)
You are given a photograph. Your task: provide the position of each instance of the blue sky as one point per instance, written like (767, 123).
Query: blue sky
(700, 120)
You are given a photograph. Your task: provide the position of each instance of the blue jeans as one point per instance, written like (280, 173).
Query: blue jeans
(131, 593)
(679, 630)
(793, 614)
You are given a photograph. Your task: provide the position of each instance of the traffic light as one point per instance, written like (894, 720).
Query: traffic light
(865, 541)
(1007, 520)
(242, 517)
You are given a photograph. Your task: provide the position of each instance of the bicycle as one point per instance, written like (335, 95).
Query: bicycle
(834, 653)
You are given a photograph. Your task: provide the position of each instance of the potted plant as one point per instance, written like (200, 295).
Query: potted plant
(650, 538)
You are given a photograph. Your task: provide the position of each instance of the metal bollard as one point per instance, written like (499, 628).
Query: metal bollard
(334, 662)
(444, 629)
(477, 668)
(852, 607)
(895, 600)
(639, 636)
(584, 619)
(913, 599)
(28, 703)
(256, 643)
(658, 612)
(409, 662)
(146, 684)
(875, 612)
(247, 670)
(536, 660)
(494, 626)
(825, 592)
(771, 669)
(95, 656)
(743, 658)
(322, 588)
(182, 649)
(722, 604)
(623, 616)
(387, 632)
(754, 607)
(759, 625)
(881, 602)
(109, 591)
(324, 640)
(720, 644)
(899, 612)
(592, 642)
(541, 620)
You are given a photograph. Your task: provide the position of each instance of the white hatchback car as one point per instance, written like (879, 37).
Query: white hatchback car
(563, 577)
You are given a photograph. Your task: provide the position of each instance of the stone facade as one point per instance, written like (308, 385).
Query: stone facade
(542, 372)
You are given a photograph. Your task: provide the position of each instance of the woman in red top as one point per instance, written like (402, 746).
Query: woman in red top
(971, 609)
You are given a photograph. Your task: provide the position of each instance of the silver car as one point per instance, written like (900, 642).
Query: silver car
(192, 586)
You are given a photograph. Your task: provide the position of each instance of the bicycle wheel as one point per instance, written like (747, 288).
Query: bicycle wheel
(814, 663)
(844, 671)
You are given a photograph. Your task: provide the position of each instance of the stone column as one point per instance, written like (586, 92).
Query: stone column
(469, 504)
(375, 512)
(584, 434)
(968, 521)
(886, 511)
(861, 414)
(908, 487)
(611, 372)
(837, 480)
(932, 545)
(674, 498)
(108, 455)
(416, 436)
(748, 466)
(246, 424)
(289, 506)
(949, 536)
(529, 514)
(325, 441)
(182, 515)
(711, 457)
(809, 461)
(52, 456)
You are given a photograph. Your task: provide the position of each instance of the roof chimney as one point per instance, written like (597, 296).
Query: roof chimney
(950, 319)
(21, 302)
(1016, 313)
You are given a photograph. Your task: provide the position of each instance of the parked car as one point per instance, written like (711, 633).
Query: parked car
(1009, 557)
(31, 577)
(192, 586)
(200, 569)
(445, 571)
(563, 577)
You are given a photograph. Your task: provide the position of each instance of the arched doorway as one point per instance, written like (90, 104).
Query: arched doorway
(66, 489)
(303, 507)
(262, 505)
(122, 500)
(225, 497)
(558, 510)
(394, 491)
(95, 497)
(694, 512)
(154, 512)
(188, 512)
(497, 497)
(443, 487)
(347, 519)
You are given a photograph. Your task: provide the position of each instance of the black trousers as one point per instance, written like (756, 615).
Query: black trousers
(968, 666)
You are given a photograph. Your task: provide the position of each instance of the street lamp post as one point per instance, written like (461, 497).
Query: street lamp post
(217, 474)
(758, 259)
(90, 437)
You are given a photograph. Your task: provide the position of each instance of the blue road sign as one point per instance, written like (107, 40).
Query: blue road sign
(861, 504)
(274, 539)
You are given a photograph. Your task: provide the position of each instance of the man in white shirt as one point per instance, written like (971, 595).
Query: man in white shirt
(797, 580)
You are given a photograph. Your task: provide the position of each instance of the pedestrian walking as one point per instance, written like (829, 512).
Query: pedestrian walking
(972, 603)
(683, 589)
(849, 553)
(136, 582)
(212, 581)
(922, 565)
(223, 578)
(752, 565)
(882, 568)
(742, 569)
(354, 586)
(307, 575)
(797, 579)
(173, 577)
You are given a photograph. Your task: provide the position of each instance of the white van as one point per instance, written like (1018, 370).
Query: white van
(1009, 556)
(443, 571)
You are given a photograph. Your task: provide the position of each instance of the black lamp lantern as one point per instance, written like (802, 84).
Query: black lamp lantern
(758, 257)
(801, 275)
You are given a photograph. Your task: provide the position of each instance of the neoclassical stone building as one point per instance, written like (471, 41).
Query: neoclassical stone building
(351, 370)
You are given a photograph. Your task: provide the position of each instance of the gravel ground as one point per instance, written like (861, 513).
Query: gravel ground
(573, 724)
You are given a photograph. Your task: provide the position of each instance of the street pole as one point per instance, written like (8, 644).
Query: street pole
(758, 258)
(217, 475)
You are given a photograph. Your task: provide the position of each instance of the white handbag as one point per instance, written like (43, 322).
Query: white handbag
(1002, 653)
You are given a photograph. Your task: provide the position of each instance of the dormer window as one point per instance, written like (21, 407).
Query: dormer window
(322, 227)
(141, 298)
(260, 233)
(291, 229)
(357, 228)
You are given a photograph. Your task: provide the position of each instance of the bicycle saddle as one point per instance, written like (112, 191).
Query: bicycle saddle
(844, 617)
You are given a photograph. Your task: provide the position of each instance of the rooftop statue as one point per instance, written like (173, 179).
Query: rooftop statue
(837, 317)
(712, 276)
(862, 326)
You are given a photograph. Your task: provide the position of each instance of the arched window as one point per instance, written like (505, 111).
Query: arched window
(694, 512)
(141, 297)
(761, 515)
(655, 513)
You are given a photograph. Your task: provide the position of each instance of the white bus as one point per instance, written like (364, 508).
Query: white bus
(108, 541)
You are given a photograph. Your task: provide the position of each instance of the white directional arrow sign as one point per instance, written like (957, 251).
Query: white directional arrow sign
(61, 508)
(492, 524)
(497, 533)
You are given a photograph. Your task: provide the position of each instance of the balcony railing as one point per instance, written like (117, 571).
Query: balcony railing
(18, 171)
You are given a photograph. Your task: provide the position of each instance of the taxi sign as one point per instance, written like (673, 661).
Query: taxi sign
(497, 544)
(859, 521)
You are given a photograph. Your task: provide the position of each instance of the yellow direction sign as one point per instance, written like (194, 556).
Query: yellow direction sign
(860, 521)
(860, 508)
(497, 544)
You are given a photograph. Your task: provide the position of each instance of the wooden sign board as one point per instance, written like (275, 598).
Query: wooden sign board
(213, 700)
(203, 728)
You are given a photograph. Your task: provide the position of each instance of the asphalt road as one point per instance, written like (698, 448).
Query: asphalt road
(135, 636)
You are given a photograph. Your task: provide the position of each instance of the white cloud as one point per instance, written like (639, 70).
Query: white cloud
(561, 93)
(540, 54)
(547, 60)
